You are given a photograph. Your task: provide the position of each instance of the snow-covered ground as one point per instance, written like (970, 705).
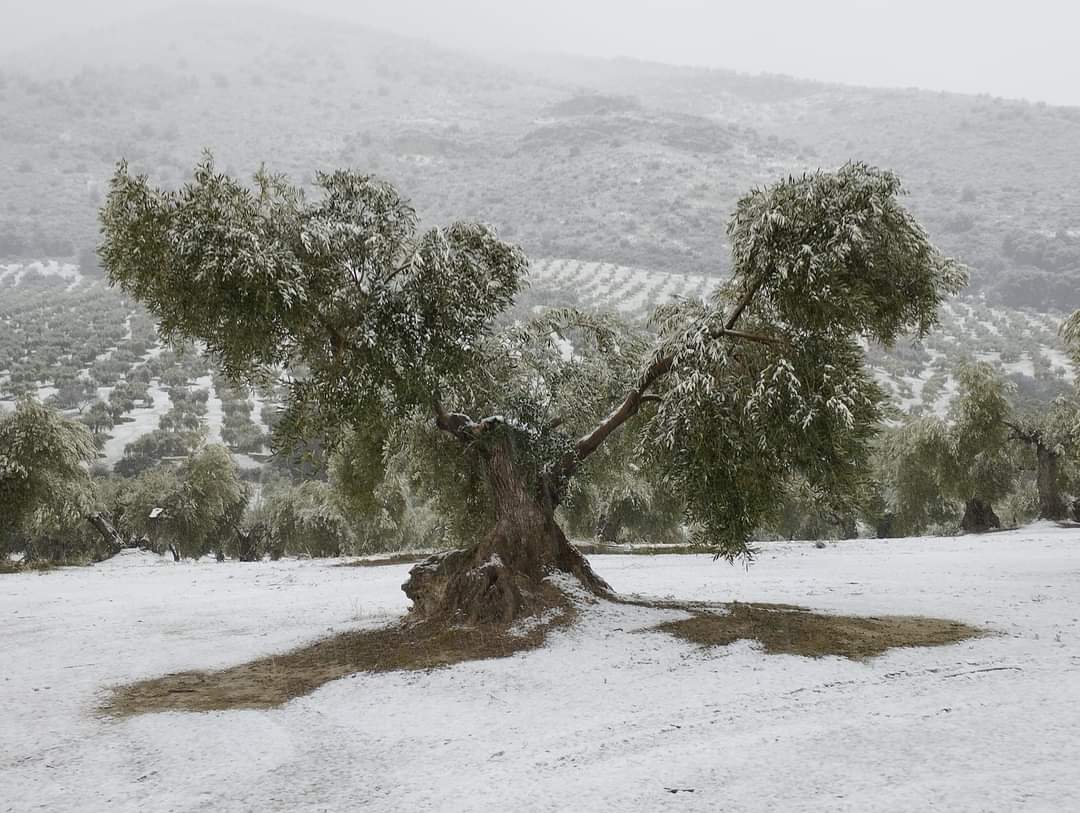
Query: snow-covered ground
(604, 717)
(140, 421)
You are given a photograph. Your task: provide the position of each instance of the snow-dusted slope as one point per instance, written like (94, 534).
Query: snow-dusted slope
(629, 291)
(605, 717)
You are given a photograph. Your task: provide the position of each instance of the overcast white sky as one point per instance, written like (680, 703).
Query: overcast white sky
(1025, 48)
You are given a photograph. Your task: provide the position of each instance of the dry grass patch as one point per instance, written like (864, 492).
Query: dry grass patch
(273, 681)
(421, 645)
(394, 559)
(595, 548)
(784, 629)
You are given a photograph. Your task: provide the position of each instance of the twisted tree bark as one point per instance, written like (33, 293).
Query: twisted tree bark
(111, 536)
(503, 576)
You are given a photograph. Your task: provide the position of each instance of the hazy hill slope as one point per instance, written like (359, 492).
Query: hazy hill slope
(604, 161)
(296, 93)
(997, 182)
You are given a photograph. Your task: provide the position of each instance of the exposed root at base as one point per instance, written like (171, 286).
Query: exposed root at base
(785, 629)
(498, 580)
(272, 681)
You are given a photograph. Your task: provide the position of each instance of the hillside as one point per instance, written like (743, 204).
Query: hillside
(996, 181)
(617, 177)
(1023, 346)
(604, 161)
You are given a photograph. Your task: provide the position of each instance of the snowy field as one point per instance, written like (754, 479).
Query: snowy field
(604, 717)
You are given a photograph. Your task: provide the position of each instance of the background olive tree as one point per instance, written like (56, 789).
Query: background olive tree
(937, 471)
(45, 490)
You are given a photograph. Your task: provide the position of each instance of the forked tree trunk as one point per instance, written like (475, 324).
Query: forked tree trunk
(1047, 480)
(979, 517)
(501, 577)
(113, 540)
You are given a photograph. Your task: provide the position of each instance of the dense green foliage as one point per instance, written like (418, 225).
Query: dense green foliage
(44, 488)
(374, 325)
(835, 258)
(907, 465)
(381, 316)
(980, 464)
(305, 519)
(987, 449)
(191, 509)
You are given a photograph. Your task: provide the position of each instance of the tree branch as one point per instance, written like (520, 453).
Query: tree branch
(337, 341)
(461, 426)
(657, 369)
(1032, 437)
(454, 423)
(760, 338)
(407, 264)
(741, 305)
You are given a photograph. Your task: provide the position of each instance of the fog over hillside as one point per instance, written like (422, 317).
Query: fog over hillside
(597, 159)
(998, 47)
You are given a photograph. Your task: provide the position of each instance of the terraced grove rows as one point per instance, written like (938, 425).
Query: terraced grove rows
(606, 286)
(72, 341)
(71, 338)
(1024, 346)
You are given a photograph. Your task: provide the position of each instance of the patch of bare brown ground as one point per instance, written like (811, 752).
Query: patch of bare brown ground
(420, 645)
(273, 681)
(394, 559)
(784, 629)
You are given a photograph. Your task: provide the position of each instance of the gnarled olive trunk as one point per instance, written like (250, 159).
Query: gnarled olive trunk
(502, 576)
(1048, 482)
(979, 517)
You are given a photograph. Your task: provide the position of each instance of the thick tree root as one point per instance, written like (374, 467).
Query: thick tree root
(498, 580)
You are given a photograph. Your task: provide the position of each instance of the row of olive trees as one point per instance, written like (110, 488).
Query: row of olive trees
(188, 499)
(53, 510)
(984, 458)
(987, 452)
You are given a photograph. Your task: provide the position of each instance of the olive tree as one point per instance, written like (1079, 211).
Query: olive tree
(931, 464)
(45, 490)
(906, 463)
(306, 519)
(981, 465)
(379, 326)
(189, 510)
(1050, 434)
